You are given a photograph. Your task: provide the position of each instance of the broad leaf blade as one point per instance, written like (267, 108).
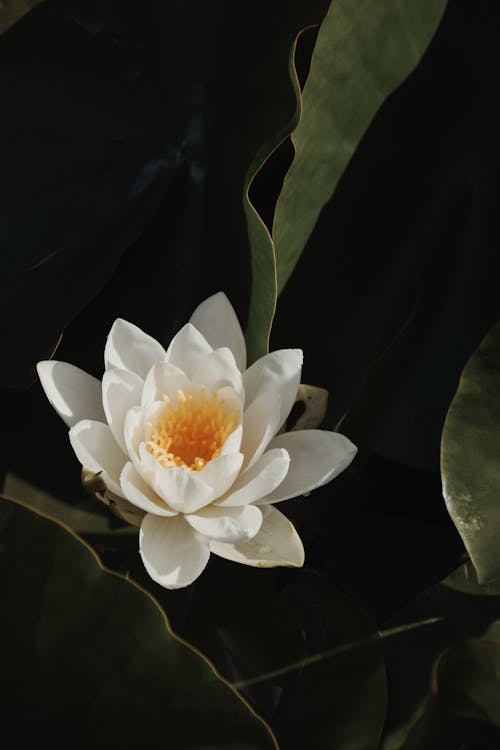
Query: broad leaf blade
(470, 457)
(363, 52)
(306, 656)
(91, 653)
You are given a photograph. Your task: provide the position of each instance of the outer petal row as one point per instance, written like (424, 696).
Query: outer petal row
(97, 450)
(174, 554)
(316, 457)
(277, 543)
(73, 393)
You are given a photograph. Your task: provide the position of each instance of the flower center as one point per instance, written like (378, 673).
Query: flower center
(193, 432)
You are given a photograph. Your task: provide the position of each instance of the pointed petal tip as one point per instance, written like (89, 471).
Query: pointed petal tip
(219, 295)
(73, 393)
(117, 323)
(120, 321)
(216, 319)
(300, 355)
(45, 369)
(276, 544)
(129, 348)
(42, 366)
(351, 448)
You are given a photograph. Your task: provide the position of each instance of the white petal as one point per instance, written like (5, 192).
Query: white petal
(152, 414)
(180, 488)
(141, 494)
(227, 524)
(216, 320)
(97, 450)
(220, 472)
(187, 348)
(259, 480)
(173, 554)
(260, 423)
(73, 393)
(134, 433)
(121, 389)
(129, 348)
(232, 400)
(316, 457)
(163, 379)
(277, 372)
(277, 543)
(218, 370)
(233, 442)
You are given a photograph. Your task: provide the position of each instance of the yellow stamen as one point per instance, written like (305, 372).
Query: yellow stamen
(193, 432)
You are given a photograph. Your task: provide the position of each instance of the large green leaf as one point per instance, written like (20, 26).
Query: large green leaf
(443, 673)
(87, 652)
(365, 49)
(470, 457)
(363, 52)
(307, 656)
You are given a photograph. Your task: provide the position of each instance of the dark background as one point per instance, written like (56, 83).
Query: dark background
(126, 132)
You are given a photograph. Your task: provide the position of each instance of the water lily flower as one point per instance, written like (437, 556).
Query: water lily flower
(192, 441)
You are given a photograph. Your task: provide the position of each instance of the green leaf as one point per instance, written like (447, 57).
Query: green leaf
(364, 50)
(279, 98)
(97, 519)
(264, 287)
(300, 651)
(470, 458)
(88, 652)
(12, 10)
(467, 677)
(428, 676)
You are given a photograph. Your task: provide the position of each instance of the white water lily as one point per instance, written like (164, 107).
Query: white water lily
(192, 439)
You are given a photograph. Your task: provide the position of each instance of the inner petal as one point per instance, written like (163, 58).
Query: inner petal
(191, 431)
